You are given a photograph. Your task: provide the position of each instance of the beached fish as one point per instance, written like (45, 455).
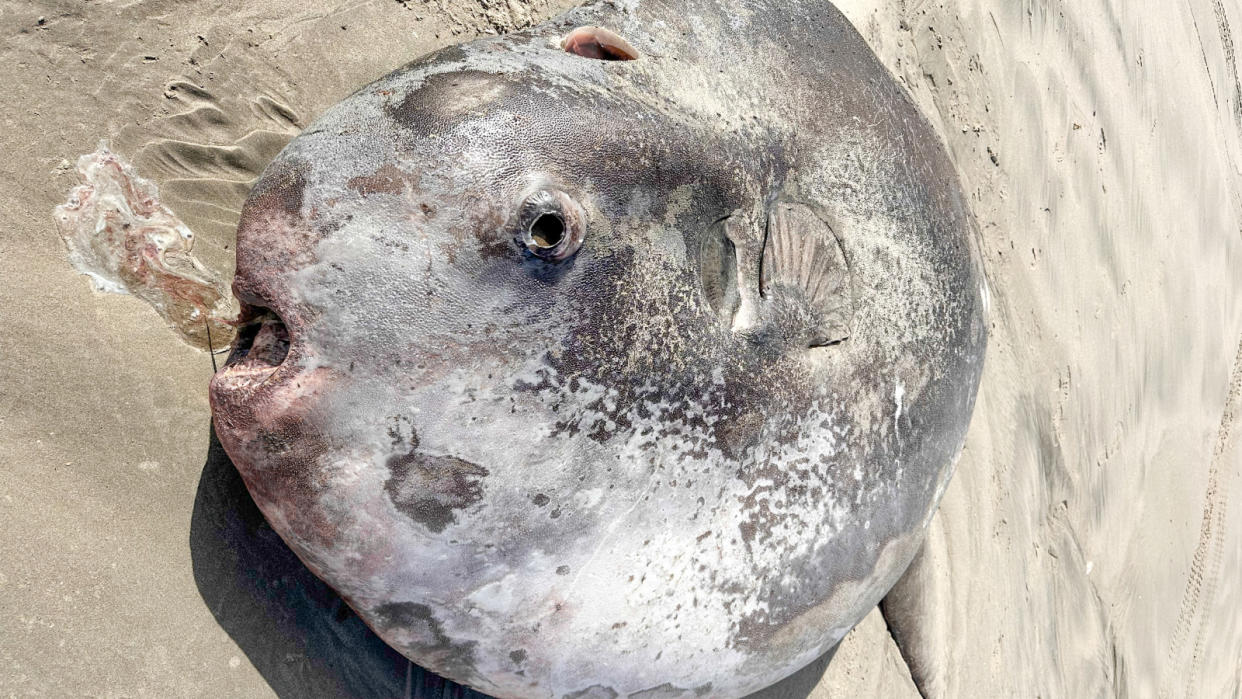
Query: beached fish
(627, 355)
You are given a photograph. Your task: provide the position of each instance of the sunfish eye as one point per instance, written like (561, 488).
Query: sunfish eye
(550, 224)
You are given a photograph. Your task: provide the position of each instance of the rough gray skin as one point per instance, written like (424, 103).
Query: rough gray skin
(668, 465)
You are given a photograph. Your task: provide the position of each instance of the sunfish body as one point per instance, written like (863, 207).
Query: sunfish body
(582, 377)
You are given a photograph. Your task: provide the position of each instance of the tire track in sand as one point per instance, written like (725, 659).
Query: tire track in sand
(1205, 566)
(1226, 40)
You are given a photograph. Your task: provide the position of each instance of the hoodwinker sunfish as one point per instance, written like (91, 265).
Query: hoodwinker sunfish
(627, 355)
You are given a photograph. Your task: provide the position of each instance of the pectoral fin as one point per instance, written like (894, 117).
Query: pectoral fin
(805, 277)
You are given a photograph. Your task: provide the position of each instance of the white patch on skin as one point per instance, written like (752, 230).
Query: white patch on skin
(497, 597)
(899, 393)
(588, 499)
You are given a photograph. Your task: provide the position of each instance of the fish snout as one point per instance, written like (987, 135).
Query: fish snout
(260, 348)
(266, 379)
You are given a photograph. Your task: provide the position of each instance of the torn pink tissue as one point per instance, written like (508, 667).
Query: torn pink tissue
(121, 236)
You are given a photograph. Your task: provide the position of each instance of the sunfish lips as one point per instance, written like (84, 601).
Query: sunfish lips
(264, 386)
(261, 348)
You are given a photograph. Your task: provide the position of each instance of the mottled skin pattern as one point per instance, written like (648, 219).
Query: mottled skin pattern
(578, 478)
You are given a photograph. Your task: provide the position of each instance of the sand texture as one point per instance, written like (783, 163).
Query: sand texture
(1089, 545)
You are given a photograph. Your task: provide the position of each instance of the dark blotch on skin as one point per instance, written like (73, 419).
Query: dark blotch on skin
(669, 691)
(562, 570)
(595, 691)
(272, 233)
(737, 436)
(445, 98)
(718, 273)
(752, 628)
(283, 189)
(454, 660)
(748, 531)
(386, 180)
(540, 499)
(518, 656)
(428, 489)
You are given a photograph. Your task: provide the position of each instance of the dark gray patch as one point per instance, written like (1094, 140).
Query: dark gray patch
(445, 99)
(670, 691)
(518, 656)
(429, 489)
(562, 570)
(718, 273)
(453, 660)
(282, 186)
(739, 434)
(595, 691)
(748, 531)
(540, 499)
(387, 180)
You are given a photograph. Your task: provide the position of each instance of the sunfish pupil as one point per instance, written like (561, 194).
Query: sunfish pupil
(547, 230)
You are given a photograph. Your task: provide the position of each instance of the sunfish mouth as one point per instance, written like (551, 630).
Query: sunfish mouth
(262, 345)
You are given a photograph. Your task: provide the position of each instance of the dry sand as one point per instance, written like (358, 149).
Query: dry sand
(1086, 547)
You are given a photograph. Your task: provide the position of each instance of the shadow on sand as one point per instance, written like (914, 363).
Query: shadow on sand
(298, 633)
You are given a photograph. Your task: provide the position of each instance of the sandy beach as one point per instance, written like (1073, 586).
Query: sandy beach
(1090, 543)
